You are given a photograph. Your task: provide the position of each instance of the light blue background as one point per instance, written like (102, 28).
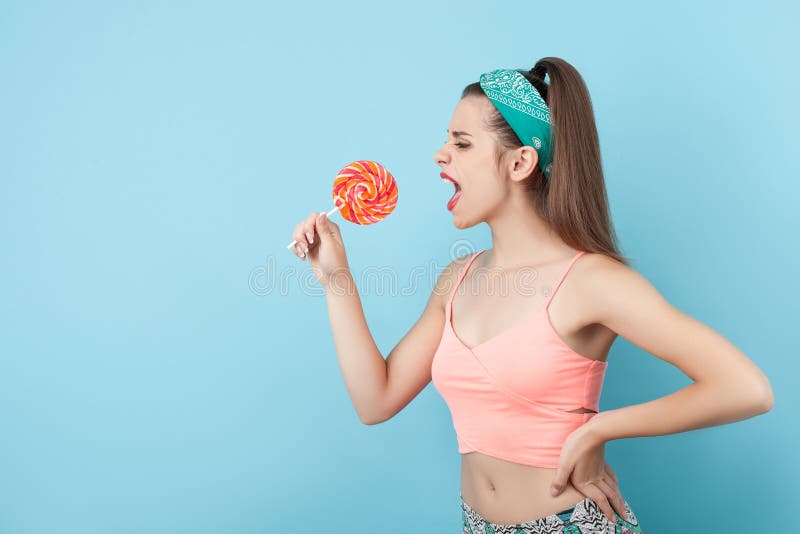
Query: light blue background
(154, 160)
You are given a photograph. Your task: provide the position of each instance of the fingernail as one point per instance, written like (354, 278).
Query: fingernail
(310, 237)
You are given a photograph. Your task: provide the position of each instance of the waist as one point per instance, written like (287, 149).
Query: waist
(533, 441)
(506, 492)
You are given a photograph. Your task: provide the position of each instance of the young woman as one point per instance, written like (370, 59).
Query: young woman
(522, 369)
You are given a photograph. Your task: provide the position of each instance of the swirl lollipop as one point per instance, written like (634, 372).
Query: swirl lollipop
(364, 192)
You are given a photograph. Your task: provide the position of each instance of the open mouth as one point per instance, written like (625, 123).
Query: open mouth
(454, 199)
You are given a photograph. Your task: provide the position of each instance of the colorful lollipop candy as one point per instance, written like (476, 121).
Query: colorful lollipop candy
(367, 190)
(364, 192)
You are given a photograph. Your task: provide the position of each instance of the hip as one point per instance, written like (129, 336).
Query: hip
(584, 517)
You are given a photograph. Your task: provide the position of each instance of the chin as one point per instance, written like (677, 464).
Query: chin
(461, 224)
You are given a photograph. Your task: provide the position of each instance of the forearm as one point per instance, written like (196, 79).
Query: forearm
(698, 405)
(361, 363)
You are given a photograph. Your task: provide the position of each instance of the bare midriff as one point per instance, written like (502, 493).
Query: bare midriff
(507, 493)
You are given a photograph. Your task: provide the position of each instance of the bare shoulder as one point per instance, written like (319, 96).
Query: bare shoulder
(447, 280)
(605, 284)
(595, 260)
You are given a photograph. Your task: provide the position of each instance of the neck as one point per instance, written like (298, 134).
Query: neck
(521, 236)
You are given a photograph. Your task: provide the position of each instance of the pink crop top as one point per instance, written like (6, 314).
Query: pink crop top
(510, 396)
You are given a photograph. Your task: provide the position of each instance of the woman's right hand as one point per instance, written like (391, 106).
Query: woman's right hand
(323, 241)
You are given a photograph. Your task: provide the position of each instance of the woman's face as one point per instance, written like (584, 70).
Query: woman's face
(468, 159)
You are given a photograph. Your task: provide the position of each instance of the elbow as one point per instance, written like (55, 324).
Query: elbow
(767, 397)
(374, 411)
(371, 419)
(370, 422)
(762, 394)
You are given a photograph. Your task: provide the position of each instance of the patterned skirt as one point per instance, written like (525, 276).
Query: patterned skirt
(583, 518)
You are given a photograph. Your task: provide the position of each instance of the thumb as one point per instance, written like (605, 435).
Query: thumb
(559, 481)
(325, 228)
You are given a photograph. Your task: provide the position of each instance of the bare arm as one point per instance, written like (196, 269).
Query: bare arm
(362, 366)
(380, 388)
(409, 363)
(727, 386)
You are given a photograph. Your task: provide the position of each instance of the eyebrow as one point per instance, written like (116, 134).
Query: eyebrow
(457, 133)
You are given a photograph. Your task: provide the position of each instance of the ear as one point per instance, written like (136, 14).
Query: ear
(522, 161)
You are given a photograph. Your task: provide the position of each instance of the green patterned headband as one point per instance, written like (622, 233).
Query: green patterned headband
(524, 109)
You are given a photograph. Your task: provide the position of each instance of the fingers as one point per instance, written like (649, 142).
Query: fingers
(560, 479)
(610, 472)
(327, 228)
(611, 491)
(311, 232)
(619, 502)
(595, 493)
(301, 246)
(322, 225)
(304, 235)
(308, 227)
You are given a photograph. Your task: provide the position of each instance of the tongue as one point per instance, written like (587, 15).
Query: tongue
(452, 202)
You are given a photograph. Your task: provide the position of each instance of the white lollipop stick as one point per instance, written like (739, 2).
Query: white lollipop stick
(293, 243)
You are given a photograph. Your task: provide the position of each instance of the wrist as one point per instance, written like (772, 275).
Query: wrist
(339, 282)
(594, 429)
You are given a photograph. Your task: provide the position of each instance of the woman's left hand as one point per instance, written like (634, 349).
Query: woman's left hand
(583, 463)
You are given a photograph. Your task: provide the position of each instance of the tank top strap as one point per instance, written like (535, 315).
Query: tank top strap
(561, 278)
(449, 309)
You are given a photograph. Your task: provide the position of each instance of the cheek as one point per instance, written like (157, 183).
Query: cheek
(488, 177)
(479, 174)
(485, 192)
(492, 189)
(491, 193)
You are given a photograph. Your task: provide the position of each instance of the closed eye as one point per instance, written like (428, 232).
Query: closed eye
(460, 145)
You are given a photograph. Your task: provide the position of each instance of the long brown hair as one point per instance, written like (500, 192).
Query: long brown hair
(574, 200)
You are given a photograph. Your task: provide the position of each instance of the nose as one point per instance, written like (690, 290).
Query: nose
(440, 157)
